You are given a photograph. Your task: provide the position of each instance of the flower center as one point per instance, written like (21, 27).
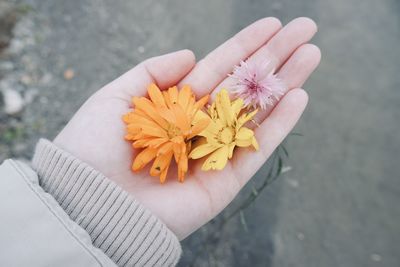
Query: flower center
(226, 135)
(173, 131)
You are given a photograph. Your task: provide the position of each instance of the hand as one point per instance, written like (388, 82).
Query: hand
(96, 133)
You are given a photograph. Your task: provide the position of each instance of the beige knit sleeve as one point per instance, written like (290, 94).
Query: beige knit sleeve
(117, 224)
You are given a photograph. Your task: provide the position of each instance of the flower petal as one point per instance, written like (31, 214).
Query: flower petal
(182, 167)
(155, 95)
(245, 118)
(255, 144)
(244, 134)
(181, 119)
(199, 127)
(160, 163)
(224, 109)
(184, 96)
(144, 157)
(217, 160)
(202, 150)
(147, 107)
(173, 95)
(237, 106)
(165, 148)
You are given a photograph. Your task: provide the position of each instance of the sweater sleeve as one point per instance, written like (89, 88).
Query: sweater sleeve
(117, 224)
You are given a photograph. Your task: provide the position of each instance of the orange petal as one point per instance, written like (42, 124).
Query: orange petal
(133, 129)
(177, 151)
(182, 120)
(129, 137)
(128, 117)
(165, 148)
(141, 142)
(156, 142)
(199, 127)
(167, 115)
(199, 104)
(155, 95)
(160, 163)
(147, 107)
(173, 95)
(184, 95)
(144, 157)
(163, 175)
(154, 131)
(182, 167)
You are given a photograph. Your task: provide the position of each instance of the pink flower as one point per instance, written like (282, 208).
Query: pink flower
(257, 84)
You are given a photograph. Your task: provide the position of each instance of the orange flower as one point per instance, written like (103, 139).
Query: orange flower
(163, 127)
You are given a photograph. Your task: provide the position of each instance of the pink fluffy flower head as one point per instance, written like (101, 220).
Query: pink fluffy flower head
(257, 84)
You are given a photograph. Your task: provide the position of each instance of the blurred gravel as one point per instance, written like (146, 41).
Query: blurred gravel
(339, 203)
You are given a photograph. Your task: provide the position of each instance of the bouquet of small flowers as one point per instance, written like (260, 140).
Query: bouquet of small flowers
(172, 125)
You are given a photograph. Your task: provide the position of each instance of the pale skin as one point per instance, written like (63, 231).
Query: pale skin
(96, 133)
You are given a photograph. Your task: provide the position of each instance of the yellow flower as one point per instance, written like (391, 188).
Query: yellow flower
(224, 133)
(163, 126)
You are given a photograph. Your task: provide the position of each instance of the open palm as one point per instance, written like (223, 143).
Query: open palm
(95, 134)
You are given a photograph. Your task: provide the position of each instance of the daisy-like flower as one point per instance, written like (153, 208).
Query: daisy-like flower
(257, 84)
(225, 132)
(163, 127)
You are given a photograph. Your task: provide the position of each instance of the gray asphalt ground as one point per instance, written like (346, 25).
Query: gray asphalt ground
(339, 203)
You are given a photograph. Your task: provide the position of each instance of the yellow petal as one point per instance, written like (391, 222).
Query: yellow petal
(217, 160)
(231, 148)
(155, 95)
(244, 134)
(237, 106)
(224, 109)
(212, 130)
(201, 151)
(245, 118)
(143, 158)
(255, 144)
(244, 143)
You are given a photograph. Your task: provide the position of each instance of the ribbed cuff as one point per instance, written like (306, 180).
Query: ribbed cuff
(117, 224)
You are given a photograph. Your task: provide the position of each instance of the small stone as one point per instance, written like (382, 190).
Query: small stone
(16, 46)
(293, 183)
(30, 95)
(286, 169)
(43, 100)
(276, 6)
(69, 74)
(141, 49)
(6, 66)
(26, 79)
(376, 257)
(13, 102)
(300, 236)
(46, 78)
